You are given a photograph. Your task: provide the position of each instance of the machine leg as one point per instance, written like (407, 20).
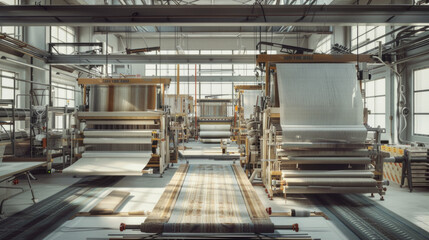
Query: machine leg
(409, 176)
(404, 173)
(28, 174)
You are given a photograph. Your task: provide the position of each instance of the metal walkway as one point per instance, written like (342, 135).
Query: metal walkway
(37, 221)
(368, 219)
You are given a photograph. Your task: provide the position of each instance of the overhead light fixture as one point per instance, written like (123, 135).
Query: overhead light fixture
(82, 69)
(22, 63)
(65, 74)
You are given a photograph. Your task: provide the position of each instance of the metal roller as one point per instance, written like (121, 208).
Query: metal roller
(215, 127)
(115, 154)
(325, 153)
(327, 160)
(345, 182)
(215, 134)
(328, 174)
(326, 190)
(117, 141)
(118, 133)
(210, 140)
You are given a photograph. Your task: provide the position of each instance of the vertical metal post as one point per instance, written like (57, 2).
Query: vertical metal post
(50, 87)
(31, 109)
(195, 113)
(13, 117)
(64, 135)
(48, 154)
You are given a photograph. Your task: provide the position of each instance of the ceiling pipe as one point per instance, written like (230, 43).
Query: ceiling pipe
(4, 58)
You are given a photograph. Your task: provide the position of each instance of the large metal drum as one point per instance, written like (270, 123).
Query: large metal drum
(122, 98)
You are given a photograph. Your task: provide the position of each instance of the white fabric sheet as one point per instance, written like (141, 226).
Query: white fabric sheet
(117, 141)
(107, 166)
(320, 103)
(249, 101)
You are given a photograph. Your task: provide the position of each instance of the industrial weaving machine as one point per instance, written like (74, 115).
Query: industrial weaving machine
(213, 120)
(124, 132)
(314, 138)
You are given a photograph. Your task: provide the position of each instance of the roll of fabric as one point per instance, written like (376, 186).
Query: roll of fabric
(215, 127)
(117, 141)
(334, 182)
(119, 133)
(328, 160)
(210, 140)
(215, 134)
(115, 154)
(328, 174)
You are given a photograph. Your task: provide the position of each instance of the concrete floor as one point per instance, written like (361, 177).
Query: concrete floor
(146, 190)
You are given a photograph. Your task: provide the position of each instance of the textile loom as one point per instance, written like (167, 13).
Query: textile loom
(213, 120)
(314, 138)
(124, 132)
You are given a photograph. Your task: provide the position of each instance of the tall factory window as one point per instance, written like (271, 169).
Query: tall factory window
(421, 99)
(324, 45)
(6, 85)
(6, 78)
(216, 70)
(10, 2)
(244, 70)
(12, 31)
(169, 70)
(363, 34)
(150, 69)
(63, 95)
(375, 97)
(63, 34)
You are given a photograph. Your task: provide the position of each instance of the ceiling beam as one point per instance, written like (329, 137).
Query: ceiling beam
(214, 15)
(149, 59)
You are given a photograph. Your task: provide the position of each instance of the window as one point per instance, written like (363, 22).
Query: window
(12, 31)
(324, 45)
(109, 66)
(375, 98)
(421, 100)
(63, 34)
(362, 34)
(10, 2)
(244, 69)
(63, 95)
(7, 84)
(202, 70)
